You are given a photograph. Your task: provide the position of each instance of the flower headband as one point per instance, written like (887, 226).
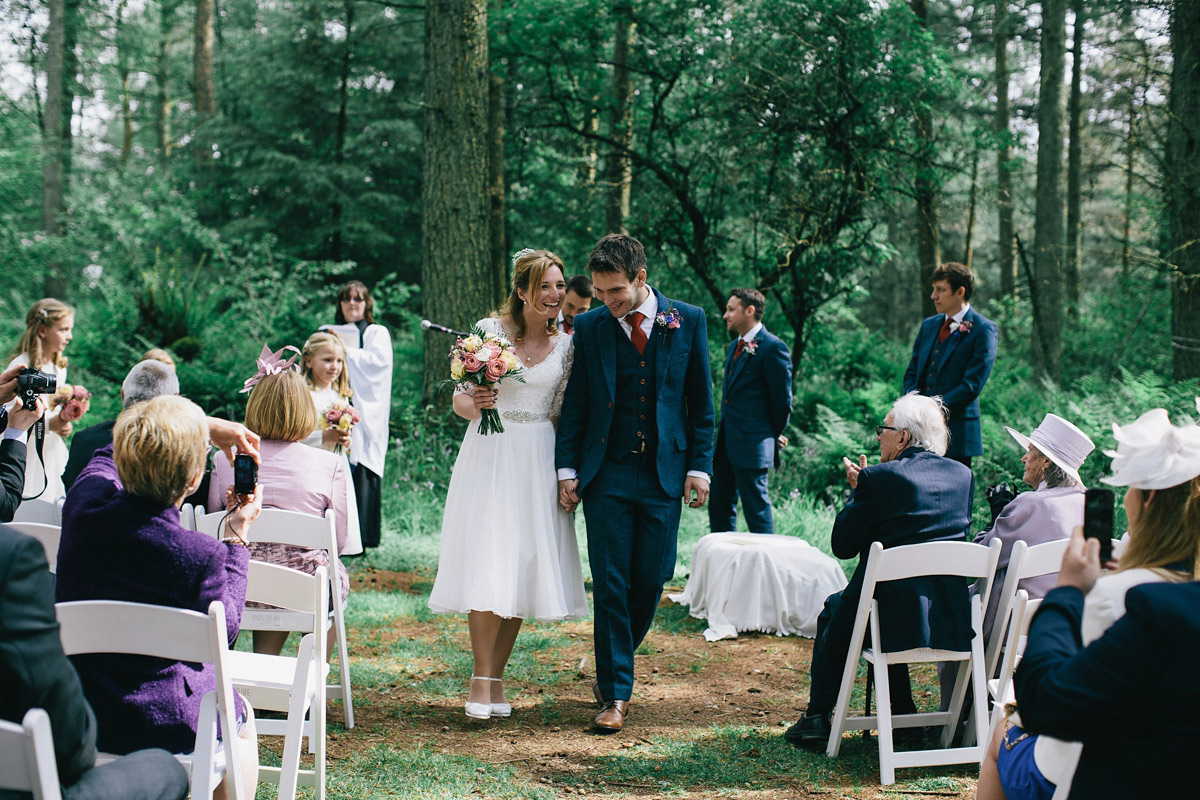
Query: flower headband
(271, 364)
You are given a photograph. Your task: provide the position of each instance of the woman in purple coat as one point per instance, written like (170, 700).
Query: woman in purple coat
(122, 540)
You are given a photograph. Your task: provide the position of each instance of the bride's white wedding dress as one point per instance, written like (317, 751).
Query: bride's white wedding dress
(507, 547)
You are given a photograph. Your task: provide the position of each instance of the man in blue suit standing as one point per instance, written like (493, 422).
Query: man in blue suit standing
(755, 406)
(953, 356)
(634, 439)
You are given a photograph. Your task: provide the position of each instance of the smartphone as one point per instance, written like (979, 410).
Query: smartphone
(1098, 519)
(245, 474)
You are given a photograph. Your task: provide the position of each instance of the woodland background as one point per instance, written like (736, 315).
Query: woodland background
(198, 174)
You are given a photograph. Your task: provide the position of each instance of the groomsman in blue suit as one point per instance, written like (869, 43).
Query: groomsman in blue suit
(634, 440)
(953, 356)
(755, 406)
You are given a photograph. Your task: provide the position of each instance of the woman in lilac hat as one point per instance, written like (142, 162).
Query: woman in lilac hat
(1054, 452)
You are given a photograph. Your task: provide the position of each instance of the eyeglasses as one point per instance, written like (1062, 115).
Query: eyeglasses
(879, 429)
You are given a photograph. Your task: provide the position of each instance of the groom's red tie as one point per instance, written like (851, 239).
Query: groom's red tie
(944, 331)
(737, 351)
(637, 335)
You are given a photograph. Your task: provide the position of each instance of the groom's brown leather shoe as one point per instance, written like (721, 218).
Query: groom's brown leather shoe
(612, 718)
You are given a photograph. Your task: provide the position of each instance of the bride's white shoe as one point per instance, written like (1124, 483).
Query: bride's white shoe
(478, 710)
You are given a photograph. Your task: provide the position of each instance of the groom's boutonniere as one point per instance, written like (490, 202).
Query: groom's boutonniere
(750, 346)
(961, 328)
(668, 319)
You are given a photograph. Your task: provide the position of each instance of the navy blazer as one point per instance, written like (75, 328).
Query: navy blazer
(12, 477)
(917, 497)
(756, 402)
(684, 406)
(958, 377)
(84, 445)
(1131, 697)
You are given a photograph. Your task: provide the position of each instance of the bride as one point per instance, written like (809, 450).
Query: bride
(508, 551)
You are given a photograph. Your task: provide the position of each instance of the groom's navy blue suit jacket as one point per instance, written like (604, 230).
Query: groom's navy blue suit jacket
(757, 402)
(957, 376)
(684, 410)
(1132, 696)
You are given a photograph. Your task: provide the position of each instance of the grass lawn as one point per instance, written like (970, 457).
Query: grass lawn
(707, 718)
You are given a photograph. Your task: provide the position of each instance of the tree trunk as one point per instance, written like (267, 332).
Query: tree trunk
(499, 236)
(1074, 165)
(1007, 260)
(162, 96)
(339, 135)
(456, 271)
(929, 245)
(1130, 166)
(620, 168)
(123, 74)
(968, 244)
(202, 76)
(1183, 187)
(1048, 237)
(72, 22)
(52, 143)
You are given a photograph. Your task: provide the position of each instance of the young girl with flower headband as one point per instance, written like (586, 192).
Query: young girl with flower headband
(324, 370)
(48, 330)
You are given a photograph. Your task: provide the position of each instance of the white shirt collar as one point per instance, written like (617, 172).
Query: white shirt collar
(962, 312)
(649, 309)
(750, 334)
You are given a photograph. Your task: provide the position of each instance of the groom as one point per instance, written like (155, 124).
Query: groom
(634, 439)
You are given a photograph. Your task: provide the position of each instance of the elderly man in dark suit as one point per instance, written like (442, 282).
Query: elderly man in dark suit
(36, 674)
(913, 495)
(953, 356)
(755, 406)
(634, 440)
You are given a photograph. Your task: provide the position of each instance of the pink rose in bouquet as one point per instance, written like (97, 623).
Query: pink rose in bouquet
(341, 416)
(73, 400)
(484, 359)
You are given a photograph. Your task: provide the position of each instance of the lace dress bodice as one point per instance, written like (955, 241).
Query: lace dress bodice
(540, 396)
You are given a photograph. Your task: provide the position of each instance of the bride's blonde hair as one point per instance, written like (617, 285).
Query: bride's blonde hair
(529, 269)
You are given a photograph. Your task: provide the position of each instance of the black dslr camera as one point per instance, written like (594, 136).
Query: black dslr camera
(32, 382)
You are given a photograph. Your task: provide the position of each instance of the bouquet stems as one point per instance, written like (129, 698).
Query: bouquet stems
(490, 422)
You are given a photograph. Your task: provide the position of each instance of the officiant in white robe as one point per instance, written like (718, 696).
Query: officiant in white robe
(369, 363)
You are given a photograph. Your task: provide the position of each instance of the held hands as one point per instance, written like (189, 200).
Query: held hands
(568, 494)
(1081, 563)
(698, 487)
(23, 420)
(242, 516)
(853, 469)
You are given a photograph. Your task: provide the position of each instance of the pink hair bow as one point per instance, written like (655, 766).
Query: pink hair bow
(271, 364)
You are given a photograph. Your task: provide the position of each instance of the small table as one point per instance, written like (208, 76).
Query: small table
(759, 582)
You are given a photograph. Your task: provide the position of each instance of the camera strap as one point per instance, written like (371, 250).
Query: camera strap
(39, 441)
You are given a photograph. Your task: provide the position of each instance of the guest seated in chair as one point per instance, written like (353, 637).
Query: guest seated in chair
(294, 476)
(122, 540)
(1149, 666)
(36, 674)
(913, 495)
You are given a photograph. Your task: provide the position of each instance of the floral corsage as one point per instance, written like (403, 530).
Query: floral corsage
(961, 328)
(750, 346)
(668, 319)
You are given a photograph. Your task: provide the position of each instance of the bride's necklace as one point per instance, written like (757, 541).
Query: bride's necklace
(537, 356)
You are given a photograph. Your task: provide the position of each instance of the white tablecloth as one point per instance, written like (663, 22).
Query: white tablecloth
(759, 582)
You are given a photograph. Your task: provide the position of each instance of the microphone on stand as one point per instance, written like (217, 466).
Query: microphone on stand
(426, 325)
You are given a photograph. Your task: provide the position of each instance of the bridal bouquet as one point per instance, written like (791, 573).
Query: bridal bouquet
(73, 400)
(341, 416)
(483, 359)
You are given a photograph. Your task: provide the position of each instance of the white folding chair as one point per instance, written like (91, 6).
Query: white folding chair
(1024, 562)
(45, 533)
(312, 533)
(27, 756)
(46, 512)
(292, 684)
(1000, 689)
(187, 516)
(113, 626)
(930, 558)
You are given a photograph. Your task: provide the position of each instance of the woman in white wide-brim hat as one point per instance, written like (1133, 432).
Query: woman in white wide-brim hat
(1054, 452)
(1160, 464)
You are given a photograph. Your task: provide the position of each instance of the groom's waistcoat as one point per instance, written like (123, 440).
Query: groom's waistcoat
(635, 398)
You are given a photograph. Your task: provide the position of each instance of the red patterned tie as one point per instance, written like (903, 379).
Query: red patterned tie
(944, 332)
(637, 335)
(737, 351)
(567, 327)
